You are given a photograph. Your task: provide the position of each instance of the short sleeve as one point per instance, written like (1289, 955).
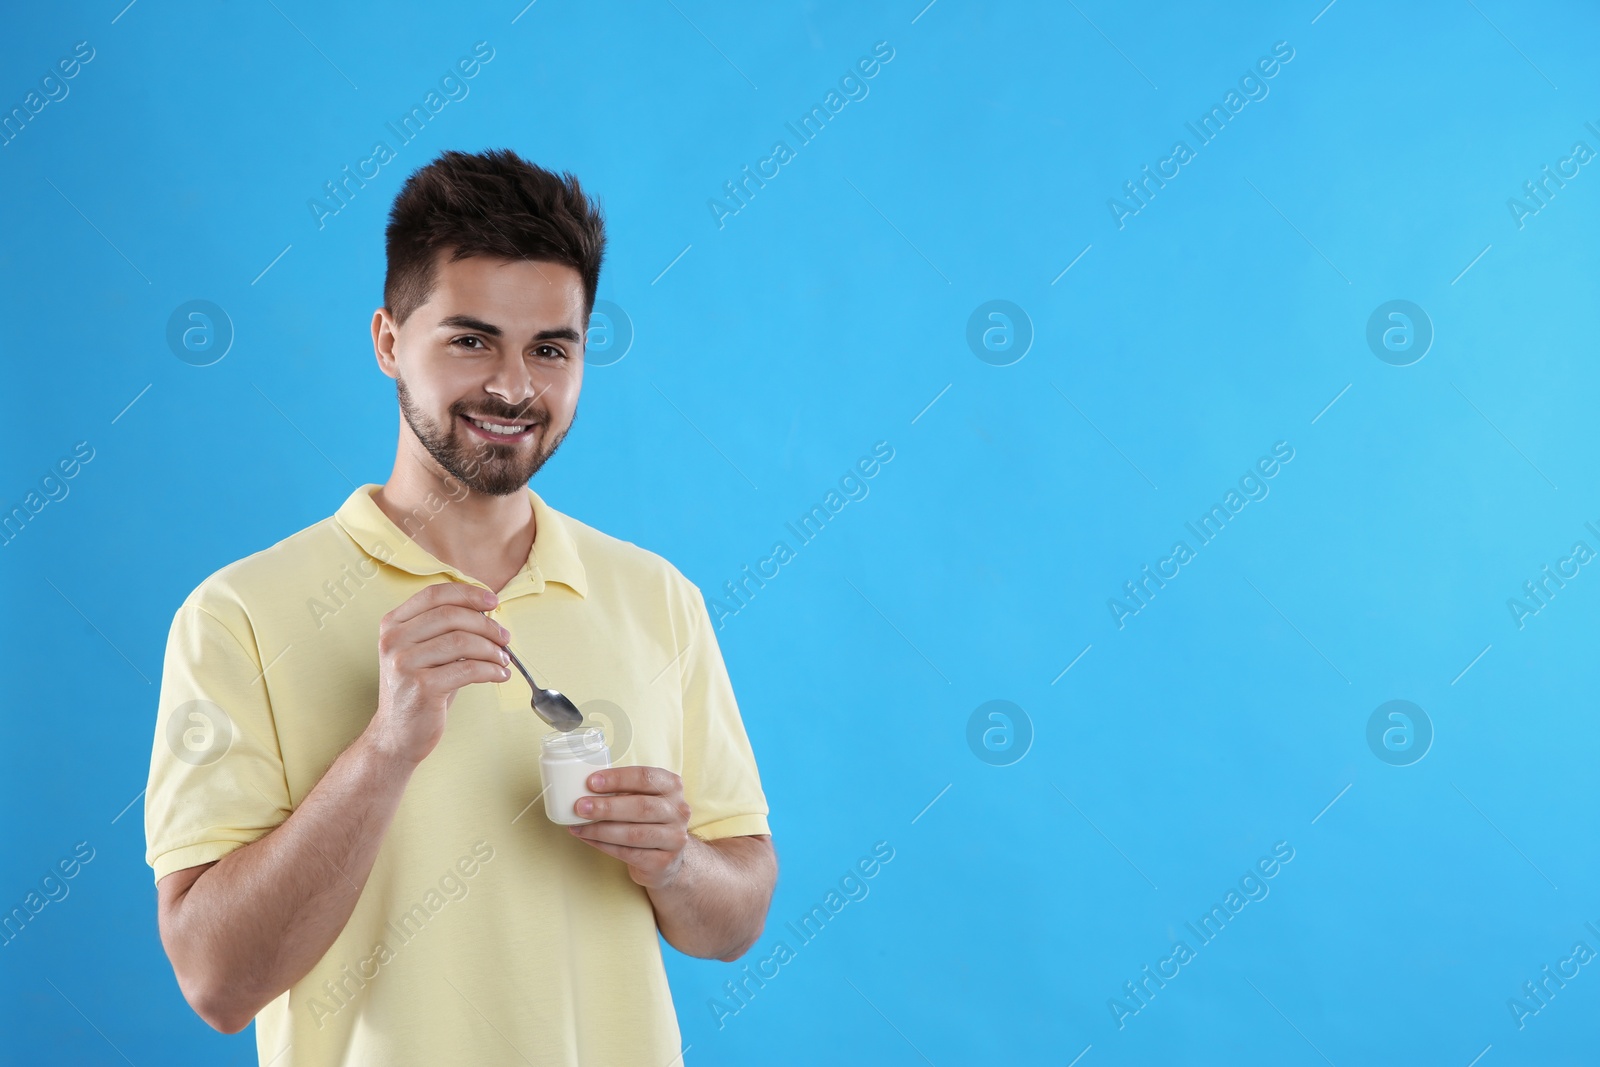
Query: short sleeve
(216, 772)
(720, 781)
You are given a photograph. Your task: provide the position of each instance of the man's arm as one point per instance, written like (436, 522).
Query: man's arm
(717, 906)
(242, 930)
(710, 897)
(245, 928)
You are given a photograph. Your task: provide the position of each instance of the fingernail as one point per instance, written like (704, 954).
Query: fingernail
(585, 806)
(490, 599)
(504, 674)
(505, 634)
(504, 659)
(597, 782)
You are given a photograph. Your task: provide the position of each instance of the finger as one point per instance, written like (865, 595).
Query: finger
(463, 593)
(452, 676)
(656, 780)
(647, 836)
(449, 647)
(631, 807)
(452, 617)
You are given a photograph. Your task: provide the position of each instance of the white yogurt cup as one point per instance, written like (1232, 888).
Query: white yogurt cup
(565, 762)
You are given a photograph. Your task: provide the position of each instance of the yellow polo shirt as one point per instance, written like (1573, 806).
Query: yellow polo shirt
(485, 934)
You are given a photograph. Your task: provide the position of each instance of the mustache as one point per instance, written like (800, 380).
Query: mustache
(510, 415)
(494, 413)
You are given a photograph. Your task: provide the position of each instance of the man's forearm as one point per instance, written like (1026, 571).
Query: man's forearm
(259, 919)
(717, 904)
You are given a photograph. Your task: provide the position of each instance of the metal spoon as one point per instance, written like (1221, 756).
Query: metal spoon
(549, 704)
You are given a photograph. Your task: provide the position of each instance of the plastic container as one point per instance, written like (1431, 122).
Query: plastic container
(565, 761)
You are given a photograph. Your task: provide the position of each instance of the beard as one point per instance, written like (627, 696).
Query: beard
(483, 466)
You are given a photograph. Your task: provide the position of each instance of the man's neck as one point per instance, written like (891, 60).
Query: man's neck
(485, 537)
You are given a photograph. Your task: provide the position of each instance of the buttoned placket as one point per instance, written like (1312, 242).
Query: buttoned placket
(512, 693)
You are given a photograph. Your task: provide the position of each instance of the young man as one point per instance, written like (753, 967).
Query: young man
(344, 811)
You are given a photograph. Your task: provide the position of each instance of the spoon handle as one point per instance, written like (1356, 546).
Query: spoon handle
(524, 671)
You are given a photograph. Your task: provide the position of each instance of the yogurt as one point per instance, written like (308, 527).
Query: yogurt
(565, 762)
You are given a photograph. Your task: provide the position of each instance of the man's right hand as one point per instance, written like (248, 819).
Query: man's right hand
(429, 647)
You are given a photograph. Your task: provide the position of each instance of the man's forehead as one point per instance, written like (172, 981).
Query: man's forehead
(495, 289)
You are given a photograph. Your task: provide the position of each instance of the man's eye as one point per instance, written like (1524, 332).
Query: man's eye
(475, 341)
(551, 350)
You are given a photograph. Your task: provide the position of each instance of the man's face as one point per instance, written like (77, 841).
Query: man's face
(488, 370)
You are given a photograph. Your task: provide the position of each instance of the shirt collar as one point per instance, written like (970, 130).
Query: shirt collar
(553, 557)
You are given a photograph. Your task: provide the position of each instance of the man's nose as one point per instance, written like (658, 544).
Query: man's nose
(512, 381)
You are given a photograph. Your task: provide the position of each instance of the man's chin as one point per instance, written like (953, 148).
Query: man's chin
(499, 483)
(493, 490)
(495, 486)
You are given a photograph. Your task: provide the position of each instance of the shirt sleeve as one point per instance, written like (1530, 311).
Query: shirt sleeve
(720, 781)
(216, 771)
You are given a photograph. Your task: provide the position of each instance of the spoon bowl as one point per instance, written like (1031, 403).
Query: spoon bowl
(549, 704)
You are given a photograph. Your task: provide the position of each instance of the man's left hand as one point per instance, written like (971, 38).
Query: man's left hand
(644, 822)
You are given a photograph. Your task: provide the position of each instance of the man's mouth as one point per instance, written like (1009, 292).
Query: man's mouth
(500, 431)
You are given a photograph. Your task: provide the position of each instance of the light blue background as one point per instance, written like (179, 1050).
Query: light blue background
(824, 317)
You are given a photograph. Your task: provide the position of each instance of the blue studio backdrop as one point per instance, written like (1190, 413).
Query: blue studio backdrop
(1211, 648)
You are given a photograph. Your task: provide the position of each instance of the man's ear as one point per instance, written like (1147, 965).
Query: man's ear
(383, 341)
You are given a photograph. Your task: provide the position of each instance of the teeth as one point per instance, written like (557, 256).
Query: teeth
(495, 427)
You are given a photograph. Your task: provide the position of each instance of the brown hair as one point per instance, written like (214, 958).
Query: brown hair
(493, 203)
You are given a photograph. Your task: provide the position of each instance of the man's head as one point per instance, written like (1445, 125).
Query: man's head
(493, 266)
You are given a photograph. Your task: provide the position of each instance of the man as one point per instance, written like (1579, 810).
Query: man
(344, 811)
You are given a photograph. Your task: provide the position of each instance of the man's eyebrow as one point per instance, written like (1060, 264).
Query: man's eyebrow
(467, 322)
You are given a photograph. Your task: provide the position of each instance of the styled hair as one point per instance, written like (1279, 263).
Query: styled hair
(493, 203)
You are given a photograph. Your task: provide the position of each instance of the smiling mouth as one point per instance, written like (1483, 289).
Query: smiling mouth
(500, 431)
